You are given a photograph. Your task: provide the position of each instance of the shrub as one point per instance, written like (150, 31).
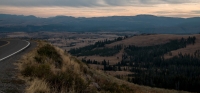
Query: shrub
(80, 84)
(28, 71)
(67, 80)
(116, 88)
(40, 71)
(49, 52)
(39, 59)
(60, 81)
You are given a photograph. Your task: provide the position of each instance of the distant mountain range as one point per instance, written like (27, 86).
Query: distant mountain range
(139, 23)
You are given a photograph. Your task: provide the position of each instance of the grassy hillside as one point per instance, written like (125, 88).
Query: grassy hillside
(48, 69)
(146, 40)
(158, 60)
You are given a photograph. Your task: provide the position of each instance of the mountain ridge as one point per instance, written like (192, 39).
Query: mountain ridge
(138, 23)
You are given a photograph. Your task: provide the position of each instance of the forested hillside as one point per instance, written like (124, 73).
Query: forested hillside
(148, 65)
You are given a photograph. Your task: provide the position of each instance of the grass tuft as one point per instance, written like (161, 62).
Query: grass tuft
(38, 86)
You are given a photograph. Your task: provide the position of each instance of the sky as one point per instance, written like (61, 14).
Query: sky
(99, 8)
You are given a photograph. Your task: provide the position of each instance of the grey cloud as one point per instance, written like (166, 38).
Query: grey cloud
(179, 1)
(168, 1)
(196, 12)
(121, 2)
(73, 3)
(89, 3)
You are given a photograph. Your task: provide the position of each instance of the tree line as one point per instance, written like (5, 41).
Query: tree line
(98, 48)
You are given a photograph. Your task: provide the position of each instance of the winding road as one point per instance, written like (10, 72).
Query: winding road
(11, 50)
(2, 43)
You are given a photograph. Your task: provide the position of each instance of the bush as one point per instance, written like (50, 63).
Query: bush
(116, 88)
(60, 81)
(40, 71)
(39, 59)
(49, 52)
(67, 80)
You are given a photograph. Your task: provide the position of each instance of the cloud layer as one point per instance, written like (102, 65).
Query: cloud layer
(90, 3)
(96, 8)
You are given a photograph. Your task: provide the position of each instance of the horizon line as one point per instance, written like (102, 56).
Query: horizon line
(100, 16)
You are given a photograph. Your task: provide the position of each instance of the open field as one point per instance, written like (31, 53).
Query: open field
(68, 40)
(148, 40)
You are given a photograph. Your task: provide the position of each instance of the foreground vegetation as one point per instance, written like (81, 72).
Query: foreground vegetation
(48, 69)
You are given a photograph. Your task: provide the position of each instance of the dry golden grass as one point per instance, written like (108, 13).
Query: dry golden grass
(35, 85)
(18, 34)
(145, 40)
(65, 39)
(190, 49)
(68, 62)
(96, 81)
(148, 40)
(38, 86)
(112, 59)
(41, 85)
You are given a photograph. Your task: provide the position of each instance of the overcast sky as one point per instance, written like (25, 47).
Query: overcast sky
(95, 8)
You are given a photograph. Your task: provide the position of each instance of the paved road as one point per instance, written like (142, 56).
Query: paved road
(3, 43)
(12, 47)
(8, 71)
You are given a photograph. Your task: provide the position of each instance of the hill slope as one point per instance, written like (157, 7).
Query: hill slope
(164, 61)
(49, 69)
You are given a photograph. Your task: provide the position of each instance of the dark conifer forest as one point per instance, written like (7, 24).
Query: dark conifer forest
(148, 65)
